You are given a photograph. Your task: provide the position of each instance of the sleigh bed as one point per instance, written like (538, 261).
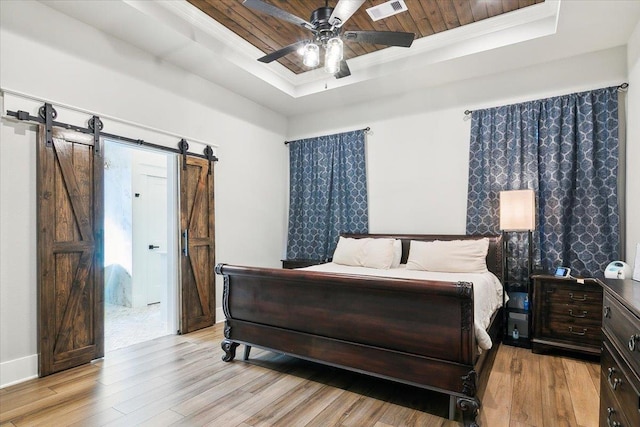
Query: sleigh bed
(418, 332)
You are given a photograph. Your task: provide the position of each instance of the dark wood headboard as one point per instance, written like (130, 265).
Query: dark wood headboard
(494, 255)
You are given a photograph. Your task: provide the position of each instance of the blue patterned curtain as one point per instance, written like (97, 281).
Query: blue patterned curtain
(566, 149)
(328, 193)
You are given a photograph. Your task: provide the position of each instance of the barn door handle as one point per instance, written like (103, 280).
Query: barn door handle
(185, 242)
(153, 247)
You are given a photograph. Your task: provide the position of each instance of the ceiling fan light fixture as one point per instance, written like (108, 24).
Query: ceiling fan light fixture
(311, 55)
(335, 48)
(333, 55)
(331, 64)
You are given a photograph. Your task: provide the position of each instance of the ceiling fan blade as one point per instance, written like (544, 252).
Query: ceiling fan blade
(343, 11)
(343, 71)
(389, 38)
(277, 13)
(282, 52)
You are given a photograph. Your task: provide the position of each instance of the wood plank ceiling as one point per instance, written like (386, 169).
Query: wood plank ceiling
(424, 18)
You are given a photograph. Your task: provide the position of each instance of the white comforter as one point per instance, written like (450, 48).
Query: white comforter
(487, 289)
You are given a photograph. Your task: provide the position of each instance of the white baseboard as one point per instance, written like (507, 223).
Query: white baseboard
(18, 370)
(220, 317)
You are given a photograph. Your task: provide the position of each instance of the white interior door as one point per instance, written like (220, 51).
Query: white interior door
(150, 233)
(156, 225)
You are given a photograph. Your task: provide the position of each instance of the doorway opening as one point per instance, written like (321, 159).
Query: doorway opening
(140, 244)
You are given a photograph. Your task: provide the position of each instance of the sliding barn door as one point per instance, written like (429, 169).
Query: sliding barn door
(70, 270)
(197, 245)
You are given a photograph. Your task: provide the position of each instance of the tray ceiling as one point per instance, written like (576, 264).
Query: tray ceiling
(423, 18)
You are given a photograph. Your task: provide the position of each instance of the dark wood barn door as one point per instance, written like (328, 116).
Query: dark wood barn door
(70, 270)
(197, 243)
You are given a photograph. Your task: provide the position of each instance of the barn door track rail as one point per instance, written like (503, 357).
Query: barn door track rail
(47, 115)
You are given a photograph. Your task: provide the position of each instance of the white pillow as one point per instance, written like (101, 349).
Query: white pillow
(348, 251)
(454, 256)
(397, 253)
(378, 253)
(366, 252)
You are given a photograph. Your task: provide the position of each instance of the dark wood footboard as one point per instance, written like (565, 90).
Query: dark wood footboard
(413, 331)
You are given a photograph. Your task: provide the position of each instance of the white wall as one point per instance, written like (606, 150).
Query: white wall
(54, 57)
(417, 151)
(633, 146)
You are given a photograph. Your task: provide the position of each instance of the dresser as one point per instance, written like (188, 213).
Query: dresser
(620, 363)
(567, 314)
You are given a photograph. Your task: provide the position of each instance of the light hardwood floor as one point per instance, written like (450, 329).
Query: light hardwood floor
(181, 380)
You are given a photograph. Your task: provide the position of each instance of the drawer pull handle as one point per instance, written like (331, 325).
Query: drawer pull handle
(584, 331)
(632, 342)
(610, 422)
(616, 381)
(584, 297)
(584, 314)
(607, 311)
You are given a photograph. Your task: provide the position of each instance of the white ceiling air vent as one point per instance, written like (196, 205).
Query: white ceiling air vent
(385, 10)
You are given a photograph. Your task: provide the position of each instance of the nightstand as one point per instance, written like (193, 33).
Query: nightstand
(567, 314)
(300, 263)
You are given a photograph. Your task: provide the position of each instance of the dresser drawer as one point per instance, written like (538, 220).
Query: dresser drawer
(623, 327)
(621, 383)
(611, 414)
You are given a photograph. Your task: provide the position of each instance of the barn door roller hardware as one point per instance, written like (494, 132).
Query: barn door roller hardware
(47, 116)
(184, 146)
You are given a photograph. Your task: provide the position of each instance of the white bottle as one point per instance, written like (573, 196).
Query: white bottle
(515, 332)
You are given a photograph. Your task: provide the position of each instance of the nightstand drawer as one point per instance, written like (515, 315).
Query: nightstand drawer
(566, 328)
(623, 328)
(577, 311)
(561, 293)
(621, 383)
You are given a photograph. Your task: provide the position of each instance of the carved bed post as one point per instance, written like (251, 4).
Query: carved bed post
(469, 406)
(229, 348)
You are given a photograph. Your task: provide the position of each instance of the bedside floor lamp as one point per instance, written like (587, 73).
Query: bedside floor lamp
(518, 213)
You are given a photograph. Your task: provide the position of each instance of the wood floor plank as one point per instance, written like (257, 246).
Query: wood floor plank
(526, 383)
(271, 414)
(181, 380)
(496, 404)
(163, 419)
(583, 393)
(72, 419)
(556, 399)
(262, 398)
(315, 404)
(215, 409)
(594, 370)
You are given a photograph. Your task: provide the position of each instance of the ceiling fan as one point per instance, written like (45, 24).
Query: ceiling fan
(326, 24)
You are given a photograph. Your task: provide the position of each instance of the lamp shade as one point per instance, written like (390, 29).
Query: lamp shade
(517, 210)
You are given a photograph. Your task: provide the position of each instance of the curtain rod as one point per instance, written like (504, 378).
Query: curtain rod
(366, 130)
(621, 88)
